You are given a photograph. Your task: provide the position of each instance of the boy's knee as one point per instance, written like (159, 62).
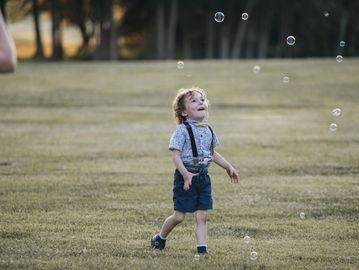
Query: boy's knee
(201, 216)
(179, 217)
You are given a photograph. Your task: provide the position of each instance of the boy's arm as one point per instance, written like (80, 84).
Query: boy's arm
(187, 176)
(221, 161)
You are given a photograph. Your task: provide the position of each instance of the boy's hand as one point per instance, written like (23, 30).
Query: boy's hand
(233, 175)
(187, 177)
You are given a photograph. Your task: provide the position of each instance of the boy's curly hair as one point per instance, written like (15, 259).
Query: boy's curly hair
(179, 102)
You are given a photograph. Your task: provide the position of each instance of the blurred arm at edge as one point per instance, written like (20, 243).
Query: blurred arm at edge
(8, 60)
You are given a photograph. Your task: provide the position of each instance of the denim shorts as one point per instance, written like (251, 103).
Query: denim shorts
(197, 197)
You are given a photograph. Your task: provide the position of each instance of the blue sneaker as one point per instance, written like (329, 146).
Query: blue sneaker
(157, 242)
(202, 250)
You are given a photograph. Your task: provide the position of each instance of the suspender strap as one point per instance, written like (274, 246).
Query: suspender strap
(193, 143)
(212, 144)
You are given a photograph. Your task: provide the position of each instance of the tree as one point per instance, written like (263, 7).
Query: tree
(105, 32)
(166, 22)
(57, 50)
(160, 23)
(241, 30)
(78, 13)
(39, 51)
(169, 29)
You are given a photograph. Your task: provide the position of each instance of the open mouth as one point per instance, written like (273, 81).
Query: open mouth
(201, 109)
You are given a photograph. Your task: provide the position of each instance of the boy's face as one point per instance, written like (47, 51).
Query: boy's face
(196, 107)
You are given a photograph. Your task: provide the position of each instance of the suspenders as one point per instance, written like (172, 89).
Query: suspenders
(193, 142)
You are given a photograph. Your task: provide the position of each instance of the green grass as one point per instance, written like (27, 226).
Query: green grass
(85, 174)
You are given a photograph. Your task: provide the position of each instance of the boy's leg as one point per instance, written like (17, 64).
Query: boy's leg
(171, 222)
(201, 230)
(158, 241)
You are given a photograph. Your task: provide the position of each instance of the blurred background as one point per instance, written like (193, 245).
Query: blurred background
(186, 29)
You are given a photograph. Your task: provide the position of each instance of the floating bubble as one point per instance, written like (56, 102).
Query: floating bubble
(245, 16)
(333, 127)
(339, 58)
(196, 257)
(326, 14)
(256, 69)
(180, 65)
(342, 43)
(253, 256)
(286, 79)
(336, 112)
(247, 239)
(219, 17)
(290, 40)
(302, 215)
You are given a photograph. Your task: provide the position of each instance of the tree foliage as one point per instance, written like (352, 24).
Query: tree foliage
(172, 29)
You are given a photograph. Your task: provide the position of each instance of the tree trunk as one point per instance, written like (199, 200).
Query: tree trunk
(171, 31)
(106, 24)
(343, 30)
(264, 37)
(353, 41)
(251, 42)
(160, 30)
(57, 50)
(97, 14)
(113, 40)
(39, 53)
(284, 31)
(80, 21)
(241, 31)
(105, 33)
(224, 42)
(187, 48)
(108, 37)
(210, 36)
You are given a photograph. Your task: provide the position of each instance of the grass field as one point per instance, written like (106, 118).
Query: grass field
(85, 174)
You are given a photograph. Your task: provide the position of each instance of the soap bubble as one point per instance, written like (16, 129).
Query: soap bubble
(339, 58)
(286, 79)
(256, 69)
(333, 127)
(247, 239)
(219, 17)
(326, 14)
(342, 43)
(290, 40)
(336, 112)
(245, 16)
(253, 256)
(196, 257)
(180, 65)
(302, 215)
